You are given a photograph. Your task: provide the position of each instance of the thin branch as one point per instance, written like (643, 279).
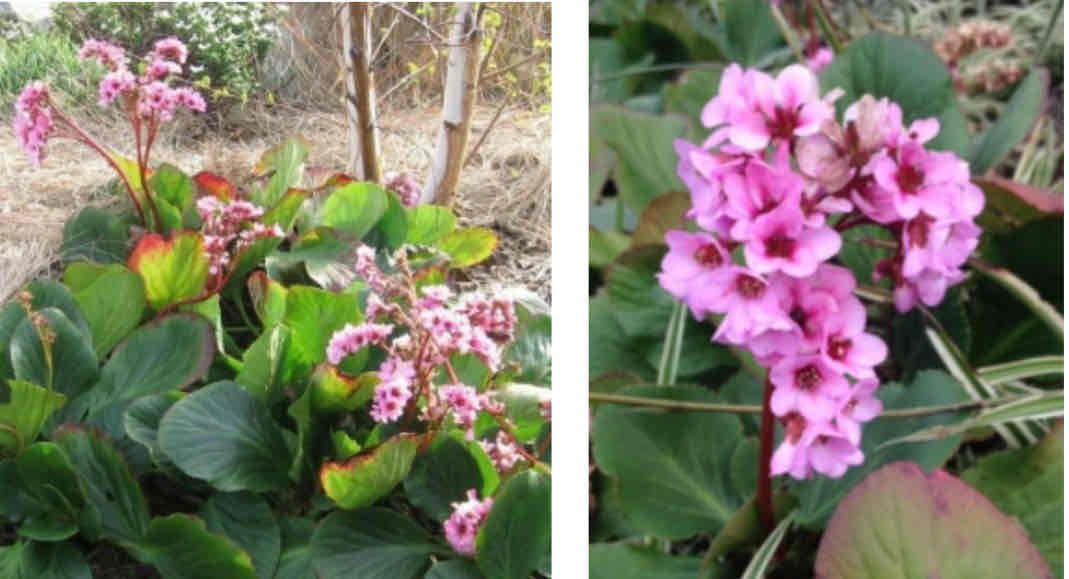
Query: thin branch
(417, 20)
(486, 132)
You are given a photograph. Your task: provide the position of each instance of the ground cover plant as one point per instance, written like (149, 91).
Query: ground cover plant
(269, 380)
(825, 333)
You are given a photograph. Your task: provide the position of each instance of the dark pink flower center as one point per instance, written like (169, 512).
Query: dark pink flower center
(709, 256)
(909, 178)
(918, 230)
(838, 347)
(793, 426)
(749, 287)
(807, 377)
(779, 245)
(782, 124)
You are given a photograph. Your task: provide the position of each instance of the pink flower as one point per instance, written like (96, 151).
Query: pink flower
(465, 403)
(810, 447)
(502, 452)
(929, 287)
(860, 406)
(156, 99)
(831, 452)
(845, 347)
(394, 390)
(920, 180)
(756, 192)
(693, 263)
(750, 306)
(703, 173)
(352, 338)
(33, 120)
(160, 69)
(406, 187)
(190, 99)
(780, 241)
(109, 55)
(819, 59)
(115, 83)
(935, 245)
(170, 48)
(463, 525)
(807, 384)
(809, 302)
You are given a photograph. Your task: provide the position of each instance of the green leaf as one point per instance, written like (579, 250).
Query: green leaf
(371, 542)
(167, 354)
(468, 247)
(953, 132)
(624, 561)
(454, 569)
(268, 298)
(181, 547)
(532, 351)
(115, 507)
(174, 189)
(605, 246)
(355, 208)
(173, 270)
(141, 422)
(1011, 205)
(1027, 484)
(367, 477)
(643, 143)
(860, 257)
(1016, 122)
(749, 31)
(663, 214)
(112, 298)
(223, 435)
(51, 561)
(286, 160)
(296, 559)
(923, 525)
(641, 306)
(1021, 369)
(333, 391)
(47, 293)
(429, 223)
(762, 559)
(26, 411)
(672, 470)
(611, 350)
(247, 520)
(818, 496)
(264, 364)
(95, 235)
(48, 476)
(522, 408)
(902, 69)
(392, 230)
(313, 315)
(515, 537)
(16, 503)
(442, 476)
(284, 213)
(67, 364)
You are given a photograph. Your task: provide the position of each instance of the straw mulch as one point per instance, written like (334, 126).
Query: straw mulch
(506, 185)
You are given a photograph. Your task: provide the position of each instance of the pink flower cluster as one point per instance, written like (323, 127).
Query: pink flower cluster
(503, 452)
(153, 98)
(394, 390)
(33, 120)
(463, 525)
(779, 179)
(406, 187)
(223, 222)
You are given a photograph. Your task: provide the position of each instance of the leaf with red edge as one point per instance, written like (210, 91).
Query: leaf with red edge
(174, 270)
(1011, 204)
(333, 391)
(923, 525)
(209, 183)
(368, 476)
(337, 180)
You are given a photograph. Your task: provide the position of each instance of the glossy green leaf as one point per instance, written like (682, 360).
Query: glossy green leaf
(95, 235)
(1018, 117)
(1027, 484)
(605, 246)
(763, 558)
(24, 414)
(442, 475)
(141, 422)
(818, 496)
(392, 230)
(285, 162)
(284, 213)
(902, 69)
(115, 507)
(355, 208)
(174, 188)
(48, 476)
(51, 561)
(173, 270)
(523, 409)
(454, 569)
(112, 298)
(749, 31)
(47, 293)
(532, 351)
(515, 537)
(468, 247)
(247, 520)
(333, 391)
(226, 436)
(429, 223)
(313, 315)
(643, 144)
(371, 542)
(367, 477)
(642, 307)
(67, 364)
(671, 469)
(624, 561)
(611, 350)
(268, 298)
(181, 547)
(295, 561)
(264, 364)
(167, 354)
(902, 522)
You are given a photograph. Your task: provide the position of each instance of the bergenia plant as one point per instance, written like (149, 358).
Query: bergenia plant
(773, 187)
(145, 93)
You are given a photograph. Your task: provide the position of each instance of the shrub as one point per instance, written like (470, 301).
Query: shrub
(47, 55)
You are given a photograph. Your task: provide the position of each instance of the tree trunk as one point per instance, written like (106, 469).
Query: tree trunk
(355, 30)
(462, 80)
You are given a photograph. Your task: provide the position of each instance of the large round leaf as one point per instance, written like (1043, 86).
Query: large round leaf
(50, 561)
(247, 520)
(168, 354)
(442, 476)
(367, 477)
(313, 315)
(28, 408)
(623, 561)
(295, 561)
(112, 298)
(428, 223)
(47, 475)
(371, 542)
(67, 364)
(467, 247)
(181, 547)
(643, 144)
(115, 507)
(173, 270)
(903, 522)
(224, 435)
(355, 208)
(514, 539)
(454, 569)
(96, 235)
(672, 469)
(141, 422)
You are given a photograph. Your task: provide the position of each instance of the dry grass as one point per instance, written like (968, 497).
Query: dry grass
(506, 186)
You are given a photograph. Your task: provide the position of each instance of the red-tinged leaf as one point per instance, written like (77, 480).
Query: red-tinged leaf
(368, 476)
(468, 247)
(173, 270)
(923, 525)
(334, 391)
(217, 186)
(337, 180)
(1011, 204)
(268, 298)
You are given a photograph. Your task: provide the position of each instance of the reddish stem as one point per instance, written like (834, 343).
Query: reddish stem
(764, 475)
